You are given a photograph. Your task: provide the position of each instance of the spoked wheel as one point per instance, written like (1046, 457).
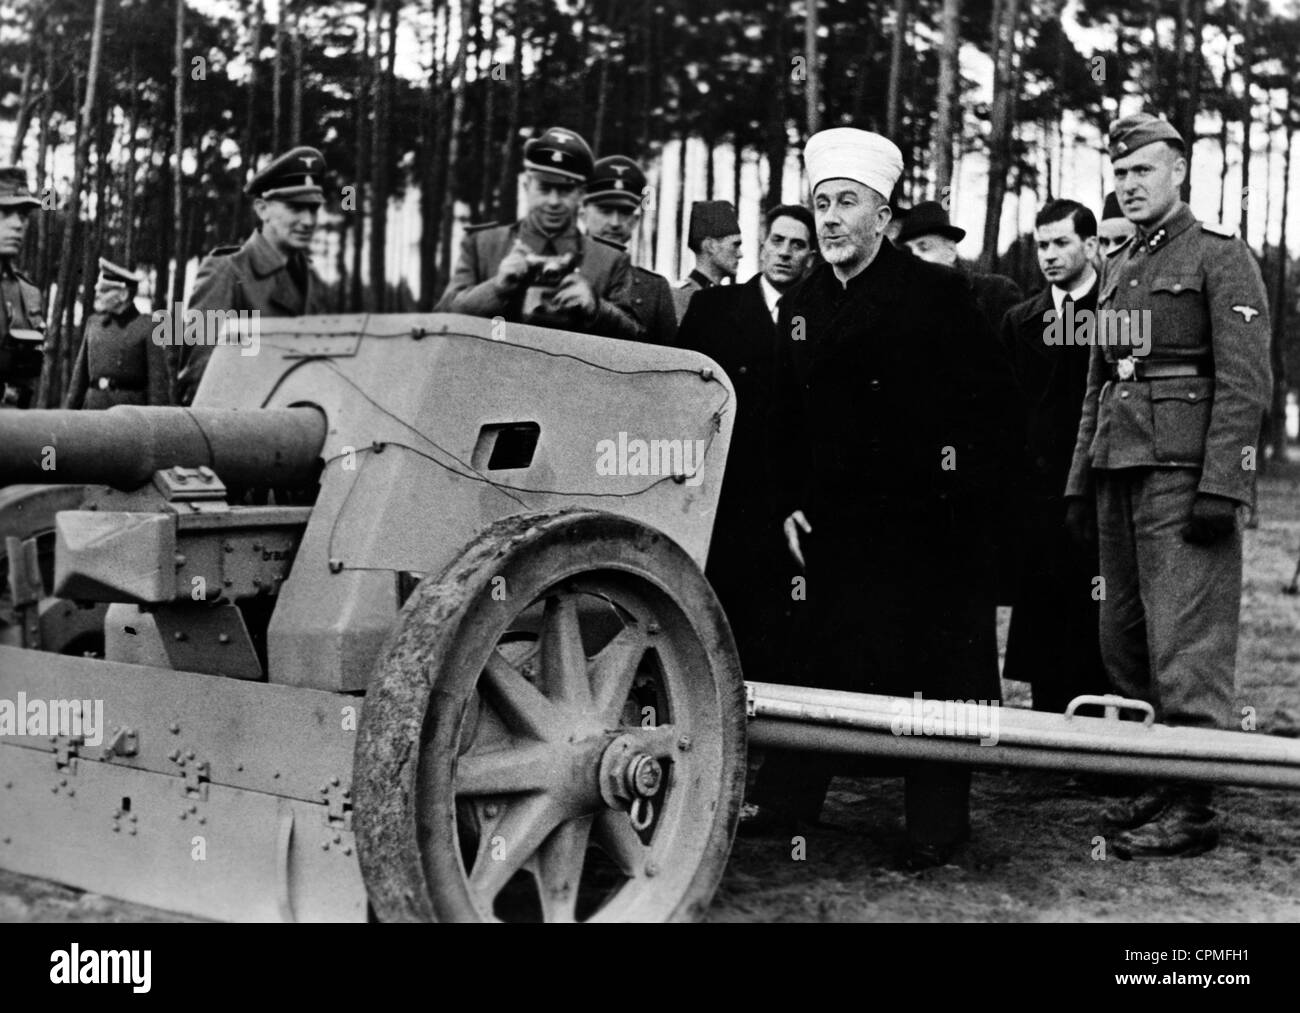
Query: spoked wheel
(555, 733)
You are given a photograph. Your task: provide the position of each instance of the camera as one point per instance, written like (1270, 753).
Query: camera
(545, 273)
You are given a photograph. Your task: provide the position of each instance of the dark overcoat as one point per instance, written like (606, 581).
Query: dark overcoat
(1053, 641)
(891, 396)
(748, 564)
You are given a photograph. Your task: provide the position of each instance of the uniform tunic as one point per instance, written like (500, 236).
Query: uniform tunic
(1149, 445)
(606, 267)
(696, 281)
(20, 359)
(651, 302)
(119, 363)
(253, 277)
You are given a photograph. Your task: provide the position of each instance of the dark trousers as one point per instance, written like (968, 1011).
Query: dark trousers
(878, 625)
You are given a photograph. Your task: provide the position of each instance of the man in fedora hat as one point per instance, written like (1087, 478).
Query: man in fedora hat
(714, 239)
(1114, 230)
(271, 273)
(929, 234)
(1166, 456)
(886, 519)
(119, 362)
(541, 269)
(611, 212)
(22, 312)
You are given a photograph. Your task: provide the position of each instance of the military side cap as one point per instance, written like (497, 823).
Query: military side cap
(561, 155)
(1110, 209)
(116, 274)
(929, 219)
(294, 176)
(712, 219)
(1129, 133)
(14, 191)
(616, 179)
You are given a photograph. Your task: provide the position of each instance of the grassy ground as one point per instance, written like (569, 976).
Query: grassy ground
(1032, 853)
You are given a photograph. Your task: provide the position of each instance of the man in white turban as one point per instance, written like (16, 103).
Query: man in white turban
(889, 447)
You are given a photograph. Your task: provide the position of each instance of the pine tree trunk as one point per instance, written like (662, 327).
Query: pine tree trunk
(128, 196)
(489, 116)
(1002, 117)
(1277, 349)
(453, 142)
(682, 216)
(1247, 109)
(776, 140)
(42, 156)
(357, 302)
(58, 358)
(277, 83)
(945, 101)
(812, 86)
(379, 147)
(295, 123)
(248, 143)
(507, 187)
(178, 150)
(894, 101)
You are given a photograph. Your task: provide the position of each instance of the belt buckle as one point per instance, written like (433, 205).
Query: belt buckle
(1126, 368)
(102, 383)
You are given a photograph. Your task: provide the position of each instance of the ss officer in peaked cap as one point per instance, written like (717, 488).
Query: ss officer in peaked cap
(271, 273)
(119, 362)
(611, 211)
(1167, 440)
(22, 314)
(510, 270)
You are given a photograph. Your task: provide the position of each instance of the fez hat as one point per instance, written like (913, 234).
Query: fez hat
(616, 179)
(712, 219)
(294, 176)
(1110, 209)
(1129, 133)
(859, 155)
(14, 191)
(116, 274)
(559, 155)
(929, 219)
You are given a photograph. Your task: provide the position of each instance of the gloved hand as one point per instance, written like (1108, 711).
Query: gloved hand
(1081, 519)
(1213, 518)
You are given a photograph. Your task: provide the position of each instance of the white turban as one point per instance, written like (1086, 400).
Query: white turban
(859, 155)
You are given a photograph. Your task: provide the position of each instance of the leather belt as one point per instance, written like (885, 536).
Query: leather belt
(1144, 369)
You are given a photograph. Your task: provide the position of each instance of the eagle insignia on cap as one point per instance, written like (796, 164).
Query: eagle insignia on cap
(307, 160)
(1121, 147)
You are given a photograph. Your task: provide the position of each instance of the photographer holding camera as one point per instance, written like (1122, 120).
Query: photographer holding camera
(542, 270)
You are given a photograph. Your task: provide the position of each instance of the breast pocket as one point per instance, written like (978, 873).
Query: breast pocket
(1180, 418)
(1177, 310)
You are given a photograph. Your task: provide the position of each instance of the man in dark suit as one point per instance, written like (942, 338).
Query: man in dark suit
(885, 373)
(495, 274)
(735, 326)
(1053, 641)
(271, 273)
(611, 212)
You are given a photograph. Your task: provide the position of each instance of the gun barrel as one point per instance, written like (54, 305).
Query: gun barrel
(125, 445)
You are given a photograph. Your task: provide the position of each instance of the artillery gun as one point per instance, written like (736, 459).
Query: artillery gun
(405, 617)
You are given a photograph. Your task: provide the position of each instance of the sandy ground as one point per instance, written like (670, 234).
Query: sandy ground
(1032, 856)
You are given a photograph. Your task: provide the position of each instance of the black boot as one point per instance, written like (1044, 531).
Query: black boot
(1184, 828)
